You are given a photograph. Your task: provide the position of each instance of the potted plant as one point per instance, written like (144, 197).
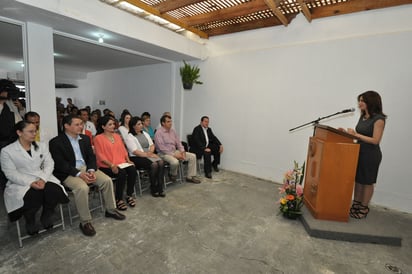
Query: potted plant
(190, 75)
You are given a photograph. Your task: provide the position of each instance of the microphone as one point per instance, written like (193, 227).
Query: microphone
(348, 110)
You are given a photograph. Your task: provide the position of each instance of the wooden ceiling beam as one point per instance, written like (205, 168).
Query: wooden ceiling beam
(274, 6)
(309, 10)
(305, 10)
(169, 18)
(267, 22)
(166, 6)
(226, 14)
(355, 6)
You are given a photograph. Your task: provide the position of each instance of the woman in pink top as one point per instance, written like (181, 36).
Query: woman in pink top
(112, 159)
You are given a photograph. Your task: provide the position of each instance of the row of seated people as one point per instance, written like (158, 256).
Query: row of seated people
(35, 175)
(90, 120)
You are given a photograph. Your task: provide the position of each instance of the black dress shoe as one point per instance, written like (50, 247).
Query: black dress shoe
(87, 229)
(46, 218)
(155, 194)
(32, 229)
(216, 169)
(162, 194)
(209, 175)
(30, 218)
(48, 227)
(193, 180)
(115, 215)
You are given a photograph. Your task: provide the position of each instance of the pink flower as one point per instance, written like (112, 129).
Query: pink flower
(299, 190)
(289, 175)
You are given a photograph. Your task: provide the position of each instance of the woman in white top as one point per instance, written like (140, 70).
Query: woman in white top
(28, 167)
(124, 125)
(141, 152)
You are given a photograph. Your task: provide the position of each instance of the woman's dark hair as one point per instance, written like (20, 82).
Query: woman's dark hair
(19, 127)
(133, 121)
(373, 102)
(123, 116)
(102, 122)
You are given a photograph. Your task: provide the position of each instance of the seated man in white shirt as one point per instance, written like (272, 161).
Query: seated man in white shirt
(88, 125)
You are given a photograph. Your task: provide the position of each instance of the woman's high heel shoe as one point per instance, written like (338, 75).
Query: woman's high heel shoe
(361, 213)
(354, 208)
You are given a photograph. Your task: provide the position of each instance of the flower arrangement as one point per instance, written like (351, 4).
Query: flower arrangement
(291, 201)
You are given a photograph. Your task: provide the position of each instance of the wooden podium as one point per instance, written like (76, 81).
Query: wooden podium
(330, 173)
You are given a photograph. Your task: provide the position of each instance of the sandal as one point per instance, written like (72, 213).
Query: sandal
(120, 205)
(131, 201)
(361, 212)
(355, 207)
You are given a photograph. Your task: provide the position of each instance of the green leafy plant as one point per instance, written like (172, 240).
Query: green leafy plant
(190, 75)
(291, 201)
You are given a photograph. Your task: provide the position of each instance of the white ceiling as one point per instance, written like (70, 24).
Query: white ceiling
(71, 53)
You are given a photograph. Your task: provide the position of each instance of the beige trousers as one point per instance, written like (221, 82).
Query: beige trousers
(174, 163)
(81, 193)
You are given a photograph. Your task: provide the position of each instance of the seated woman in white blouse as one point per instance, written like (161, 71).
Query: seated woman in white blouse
(28, 167)
(141, 152)
(124, 125)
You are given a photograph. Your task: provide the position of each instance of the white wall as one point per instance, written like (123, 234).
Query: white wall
(260, 84)
(147, 88)
(41, 74)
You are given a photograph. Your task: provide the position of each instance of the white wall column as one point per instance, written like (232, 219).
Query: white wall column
(177, 101)
(41, 83)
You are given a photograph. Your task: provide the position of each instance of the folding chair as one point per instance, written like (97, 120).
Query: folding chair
(141, 173)
(93, 189)
(199, 167)
(180, 173)
(21, 238)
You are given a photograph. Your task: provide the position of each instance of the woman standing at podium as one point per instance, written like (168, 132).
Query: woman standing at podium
(369, 132)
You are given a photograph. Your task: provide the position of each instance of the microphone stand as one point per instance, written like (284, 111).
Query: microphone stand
(315, 122)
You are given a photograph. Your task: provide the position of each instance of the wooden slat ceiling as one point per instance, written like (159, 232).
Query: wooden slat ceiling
(217, 17)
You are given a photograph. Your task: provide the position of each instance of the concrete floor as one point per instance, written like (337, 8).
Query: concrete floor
(225, 225)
